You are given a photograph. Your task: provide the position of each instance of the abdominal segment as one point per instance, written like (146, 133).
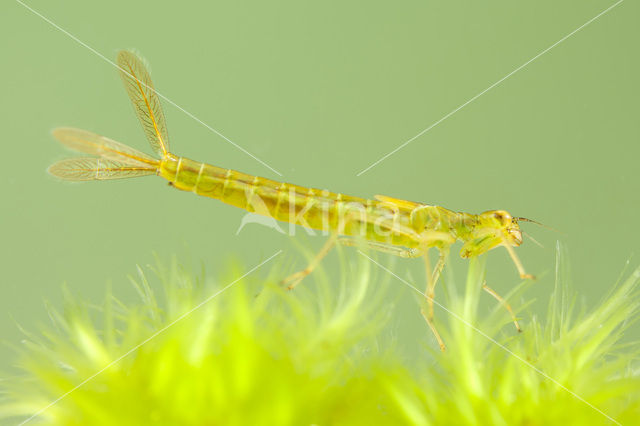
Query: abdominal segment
(309, 207)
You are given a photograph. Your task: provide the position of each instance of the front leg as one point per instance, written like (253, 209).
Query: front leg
(486, 240)
(517, 262)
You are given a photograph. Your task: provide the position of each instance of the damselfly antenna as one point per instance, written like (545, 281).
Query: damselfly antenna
(524, 219)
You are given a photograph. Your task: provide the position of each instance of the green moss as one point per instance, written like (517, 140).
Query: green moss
(257, 354)
(565, 369)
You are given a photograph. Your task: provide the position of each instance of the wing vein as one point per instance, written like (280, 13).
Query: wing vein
(149, 109)
(144, 98)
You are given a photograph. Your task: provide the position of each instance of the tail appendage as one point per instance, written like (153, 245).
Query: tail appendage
(114, 160)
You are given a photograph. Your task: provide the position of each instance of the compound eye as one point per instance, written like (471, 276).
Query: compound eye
(503, 217)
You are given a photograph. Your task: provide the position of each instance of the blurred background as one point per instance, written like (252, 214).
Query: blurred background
(319, 92)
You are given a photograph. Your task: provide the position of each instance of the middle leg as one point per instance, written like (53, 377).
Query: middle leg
(429, 293)
(500, 299)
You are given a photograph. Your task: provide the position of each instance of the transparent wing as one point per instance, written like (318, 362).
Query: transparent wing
(79, 169)
(91, 143)
(146, 102)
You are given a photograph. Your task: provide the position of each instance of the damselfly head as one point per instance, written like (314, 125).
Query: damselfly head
(515, 233)
(503, 221)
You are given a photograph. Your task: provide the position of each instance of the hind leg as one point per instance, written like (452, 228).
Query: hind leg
(294, 279)
(382, 247)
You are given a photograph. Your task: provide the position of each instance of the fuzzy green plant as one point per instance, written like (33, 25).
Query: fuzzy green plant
(255, 354)
(570, 367)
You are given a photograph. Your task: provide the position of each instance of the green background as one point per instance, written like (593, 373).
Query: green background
(319, 91)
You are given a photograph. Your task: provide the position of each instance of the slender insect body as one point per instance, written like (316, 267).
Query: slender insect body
(399, 227)
(313, 208)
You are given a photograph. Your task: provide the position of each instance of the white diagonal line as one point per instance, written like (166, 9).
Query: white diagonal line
(181, 317)
(490, 87)
(77, 40)
(492, 340)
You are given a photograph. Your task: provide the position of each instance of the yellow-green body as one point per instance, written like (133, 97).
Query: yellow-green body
(374, 220)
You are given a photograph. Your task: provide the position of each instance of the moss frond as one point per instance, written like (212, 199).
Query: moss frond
(567, 368)
(255, 354)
